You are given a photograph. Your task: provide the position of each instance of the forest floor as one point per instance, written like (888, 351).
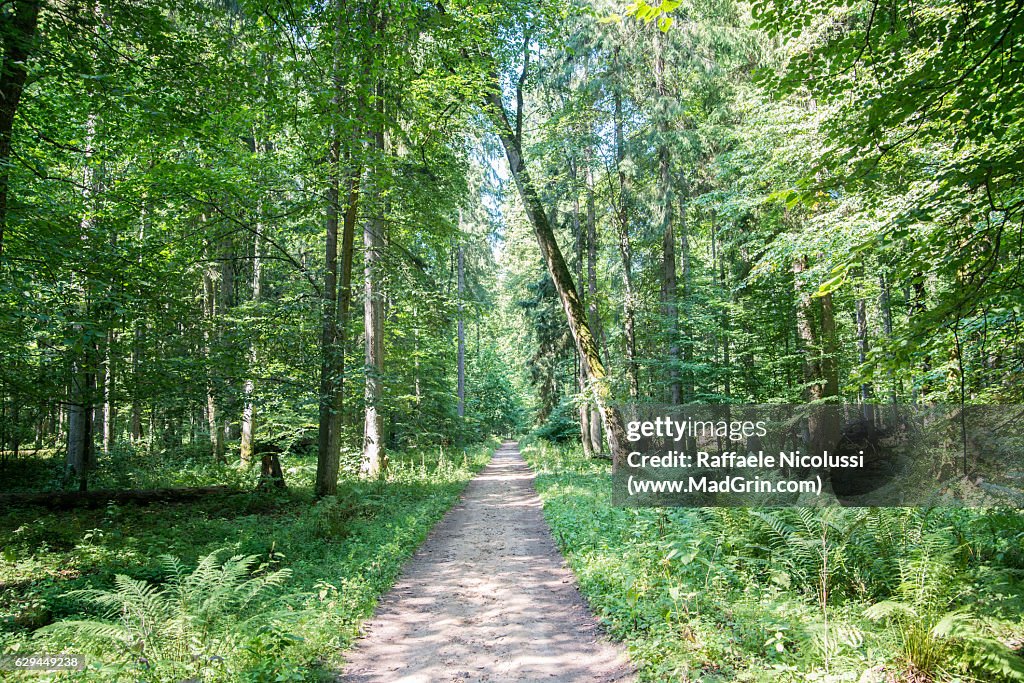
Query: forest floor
(487, 598)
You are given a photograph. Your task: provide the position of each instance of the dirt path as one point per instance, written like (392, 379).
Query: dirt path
(487, 598)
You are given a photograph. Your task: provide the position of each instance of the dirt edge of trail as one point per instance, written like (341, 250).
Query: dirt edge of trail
(487, 598)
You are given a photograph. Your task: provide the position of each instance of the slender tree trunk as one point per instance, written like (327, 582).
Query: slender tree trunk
(81, 399)
(328, 459)
(861, 316)
(687, 332)
(626, 252)
(137, 336)
(18, 39)
(248, 407)
(805, 333)
(226, 300)
(669, 282)
(374, 460)
(816, 332)
(572, 306)
(79, 432)
(885, 305)
(581, 371)
(725, 323)
(829, 347)
(461, 338)
(109, 407)
(216, 435)
(593, 312)
(918, 308)
(344, 303)
(136, 418)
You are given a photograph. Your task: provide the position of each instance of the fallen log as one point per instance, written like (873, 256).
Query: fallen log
(63, 500)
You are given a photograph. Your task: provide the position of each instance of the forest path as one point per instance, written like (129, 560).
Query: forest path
(487, 598)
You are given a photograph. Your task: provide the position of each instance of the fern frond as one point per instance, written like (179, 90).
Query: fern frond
(888, 609)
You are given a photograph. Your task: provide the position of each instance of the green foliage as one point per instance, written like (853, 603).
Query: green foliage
(562, 425)
(721, 594)
(181, 628)
(937, 635)
(266, 586)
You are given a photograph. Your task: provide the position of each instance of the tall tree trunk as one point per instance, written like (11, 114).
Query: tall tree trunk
(669, 282)
(374, 460)
(687, 332)
(226, 300)
(816, 332)
(344, 303)
(720, 282)
(593, 312)
(81, 399)
(626, 252)
(328, 458)
(726, 333)
(554, 260)
(248, 407)
(337, 299)
(79, 432)
(885, 306)
(109, 407)
(814, 390)
(918, 308)
(136, 418)
(18, 39)
(461, 352)
(861, 316)
(581, 371)
(829, 346)
(210, 301)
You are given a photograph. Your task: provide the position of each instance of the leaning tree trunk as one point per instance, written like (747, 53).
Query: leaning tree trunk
(560, 275)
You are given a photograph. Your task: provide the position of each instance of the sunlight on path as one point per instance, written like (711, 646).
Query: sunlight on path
(487, 598)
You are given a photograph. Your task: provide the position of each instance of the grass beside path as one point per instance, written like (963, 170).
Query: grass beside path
(340, 554)
(861, 595)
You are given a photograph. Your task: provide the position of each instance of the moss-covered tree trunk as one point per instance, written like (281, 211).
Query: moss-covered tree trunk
(575, 313)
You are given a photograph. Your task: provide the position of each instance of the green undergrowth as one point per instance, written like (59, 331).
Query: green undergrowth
(864, 595)
(252, 587)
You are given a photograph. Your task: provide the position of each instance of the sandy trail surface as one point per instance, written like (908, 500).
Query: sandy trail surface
(487, 598)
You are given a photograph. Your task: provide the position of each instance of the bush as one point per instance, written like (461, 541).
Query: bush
(562, 426)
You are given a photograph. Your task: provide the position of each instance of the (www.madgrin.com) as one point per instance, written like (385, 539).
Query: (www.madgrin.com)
(734, 484)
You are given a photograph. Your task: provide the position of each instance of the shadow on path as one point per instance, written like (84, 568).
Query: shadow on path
(487, 598)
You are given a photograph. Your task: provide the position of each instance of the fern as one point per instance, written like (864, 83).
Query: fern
(182, 629)
(937, 637)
